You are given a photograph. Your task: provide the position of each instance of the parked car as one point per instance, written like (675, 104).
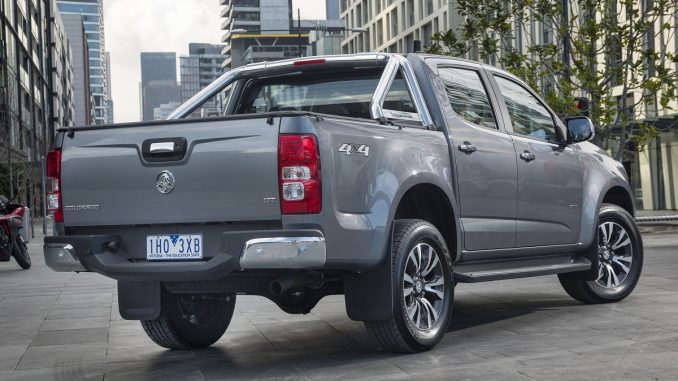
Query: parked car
(385, 178)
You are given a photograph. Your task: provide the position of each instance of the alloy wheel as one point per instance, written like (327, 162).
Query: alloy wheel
(615, 254)
(423, 286)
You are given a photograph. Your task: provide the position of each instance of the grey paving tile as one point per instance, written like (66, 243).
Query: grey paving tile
(304, 334)
(75, 323)
(70, 336)
(75, 372)
(10, 356)
(65, 356)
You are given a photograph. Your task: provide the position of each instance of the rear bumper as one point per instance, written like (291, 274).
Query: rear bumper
(106, 254)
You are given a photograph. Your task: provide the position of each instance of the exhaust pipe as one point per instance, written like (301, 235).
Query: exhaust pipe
(294, 286)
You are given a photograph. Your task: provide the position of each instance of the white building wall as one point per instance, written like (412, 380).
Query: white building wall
(394, 25)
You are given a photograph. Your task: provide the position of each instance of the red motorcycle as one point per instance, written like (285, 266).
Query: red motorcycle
(11, 241)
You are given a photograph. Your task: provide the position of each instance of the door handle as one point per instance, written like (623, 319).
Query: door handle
(467, 148)
(527, 156)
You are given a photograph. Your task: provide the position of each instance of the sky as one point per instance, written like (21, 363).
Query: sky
(135, 26)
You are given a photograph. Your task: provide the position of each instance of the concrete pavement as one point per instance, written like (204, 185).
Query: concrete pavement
(56, 326)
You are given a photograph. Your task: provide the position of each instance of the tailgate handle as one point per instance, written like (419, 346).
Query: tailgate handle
(164, 149)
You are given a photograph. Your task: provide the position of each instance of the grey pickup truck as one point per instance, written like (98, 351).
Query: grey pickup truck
(386, 178)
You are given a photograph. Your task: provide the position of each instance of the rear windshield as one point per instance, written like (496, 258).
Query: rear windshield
(343, 94)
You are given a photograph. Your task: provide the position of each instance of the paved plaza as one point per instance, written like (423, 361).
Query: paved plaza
(60, 326)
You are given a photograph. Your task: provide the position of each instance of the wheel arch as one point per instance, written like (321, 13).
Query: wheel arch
(619, 196)
(369, 294)
(427, 201)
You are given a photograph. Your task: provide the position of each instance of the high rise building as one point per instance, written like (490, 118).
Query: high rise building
(62, 74)
(198, 69)
(259, 30)
(268, 30)
(110, 89)
(35, 89)
(88, 15)
(82, 94)
(393, 26)
(332, 10)
(158, 81)
(164, 110)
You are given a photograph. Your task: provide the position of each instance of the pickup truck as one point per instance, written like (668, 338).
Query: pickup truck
(386, 178)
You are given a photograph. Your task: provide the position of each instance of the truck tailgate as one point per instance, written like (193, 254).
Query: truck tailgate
(228, 173)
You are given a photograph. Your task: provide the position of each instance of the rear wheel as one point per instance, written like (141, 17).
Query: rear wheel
(190, 321)
(423, 290)
(20, 253)
(620, 260)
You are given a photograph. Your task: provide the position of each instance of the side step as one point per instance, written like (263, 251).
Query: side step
(519, 268)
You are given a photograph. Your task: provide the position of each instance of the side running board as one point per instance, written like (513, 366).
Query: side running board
(519, 268)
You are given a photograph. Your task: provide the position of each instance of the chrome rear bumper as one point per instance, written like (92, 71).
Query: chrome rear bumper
(284, 253)
(62, 257)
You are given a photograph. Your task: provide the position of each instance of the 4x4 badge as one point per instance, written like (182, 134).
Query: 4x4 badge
(349, 148)
(165, 182)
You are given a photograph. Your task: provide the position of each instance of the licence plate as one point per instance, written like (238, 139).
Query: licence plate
(174, 247)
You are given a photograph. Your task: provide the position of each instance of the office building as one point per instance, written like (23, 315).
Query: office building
(158, 81)
(110, 110)
(259, 30)
(332, 10)
(393, 26)
(62, 75)
(268, 30)
(164, 110)
(198, 69)
(35, 89)
(90, 72)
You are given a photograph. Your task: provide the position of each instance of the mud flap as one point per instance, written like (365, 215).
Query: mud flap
(591, 253)
(139, 300)
(369, 296)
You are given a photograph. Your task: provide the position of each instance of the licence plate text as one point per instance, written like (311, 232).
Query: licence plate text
(174, 247)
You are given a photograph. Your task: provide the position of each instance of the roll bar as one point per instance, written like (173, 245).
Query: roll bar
(394, 63)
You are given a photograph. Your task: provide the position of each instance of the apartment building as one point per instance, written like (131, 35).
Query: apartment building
(394, 25)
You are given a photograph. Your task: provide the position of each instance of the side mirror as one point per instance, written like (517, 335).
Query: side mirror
(579, 129)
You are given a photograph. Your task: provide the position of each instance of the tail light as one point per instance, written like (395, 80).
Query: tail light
(299, 174)
(53, 171)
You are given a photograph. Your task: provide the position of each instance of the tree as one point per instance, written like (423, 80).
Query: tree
(613, 52)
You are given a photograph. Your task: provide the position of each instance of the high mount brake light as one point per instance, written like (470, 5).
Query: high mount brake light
(299, 174)
(315, 61)
(53, 171)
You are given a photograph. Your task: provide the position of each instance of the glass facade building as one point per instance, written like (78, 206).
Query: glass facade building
(91, 12)
(158, 81)
(35, 93)
(199, 68)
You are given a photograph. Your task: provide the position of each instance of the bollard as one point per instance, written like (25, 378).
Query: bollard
(26, 223)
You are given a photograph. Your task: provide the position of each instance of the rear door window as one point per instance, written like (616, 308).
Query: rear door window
(468, 96)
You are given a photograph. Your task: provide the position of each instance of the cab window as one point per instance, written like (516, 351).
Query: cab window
(529, 116)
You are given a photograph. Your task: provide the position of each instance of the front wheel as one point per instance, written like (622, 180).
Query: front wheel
(620, 260)
(423, 288)
(20, 253)
(190, 321)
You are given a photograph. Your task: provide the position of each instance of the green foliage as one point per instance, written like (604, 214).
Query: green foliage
(609, 56)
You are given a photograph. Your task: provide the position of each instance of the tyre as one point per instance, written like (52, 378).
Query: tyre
(190, 321)
(620, 257)
(20, 253)
(423, 288)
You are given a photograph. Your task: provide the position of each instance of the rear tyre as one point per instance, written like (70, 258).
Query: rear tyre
(190, 321)
(620, 257)
(423, 288)
(20, 253)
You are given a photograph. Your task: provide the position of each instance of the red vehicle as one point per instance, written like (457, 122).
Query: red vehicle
(11, 241)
